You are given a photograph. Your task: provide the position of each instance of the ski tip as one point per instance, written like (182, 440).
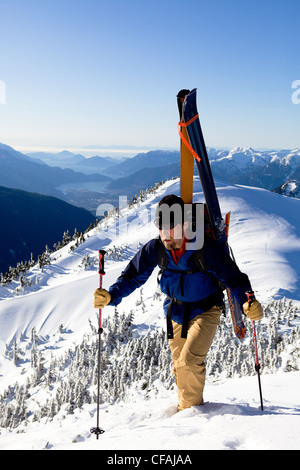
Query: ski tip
(182, 94)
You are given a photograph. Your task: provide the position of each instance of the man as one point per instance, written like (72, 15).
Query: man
(193, 295)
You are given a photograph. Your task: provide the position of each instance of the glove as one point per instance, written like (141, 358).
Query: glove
(254, 310)
(101, 298)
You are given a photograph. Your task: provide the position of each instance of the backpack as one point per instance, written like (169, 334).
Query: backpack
(216, 298)
(197, 256)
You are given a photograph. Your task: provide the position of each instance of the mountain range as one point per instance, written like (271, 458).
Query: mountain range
(21, 172)
(264, 169)
(267, 169)
(241, 165)
(76, 162)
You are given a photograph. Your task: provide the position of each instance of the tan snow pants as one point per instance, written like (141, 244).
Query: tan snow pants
(189, 355)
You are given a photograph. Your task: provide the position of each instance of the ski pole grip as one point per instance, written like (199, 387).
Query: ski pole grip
(101, 262)
(250, 296)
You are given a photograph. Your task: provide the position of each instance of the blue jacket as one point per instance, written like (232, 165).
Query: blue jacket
(196, 286)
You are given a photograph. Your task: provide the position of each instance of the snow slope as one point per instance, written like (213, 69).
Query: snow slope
(230, 420)
(265, 238)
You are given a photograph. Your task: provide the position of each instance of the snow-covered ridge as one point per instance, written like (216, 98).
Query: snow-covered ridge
(290, 188)
(247, 155)
(266, 168)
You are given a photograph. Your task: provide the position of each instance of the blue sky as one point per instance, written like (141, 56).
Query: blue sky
(93, 72)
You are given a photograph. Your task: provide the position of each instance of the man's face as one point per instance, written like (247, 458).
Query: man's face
(172, 238)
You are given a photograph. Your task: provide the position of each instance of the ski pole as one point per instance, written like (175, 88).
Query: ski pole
(97, 430)
(251, 298)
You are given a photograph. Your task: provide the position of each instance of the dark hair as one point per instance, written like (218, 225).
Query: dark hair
(169, 212)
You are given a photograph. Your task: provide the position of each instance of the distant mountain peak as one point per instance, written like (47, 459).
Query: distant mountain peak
(290, 188)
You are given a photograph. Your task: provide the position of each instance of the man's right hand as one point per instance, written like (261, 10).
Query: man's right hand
(101, 298)
(254, 311)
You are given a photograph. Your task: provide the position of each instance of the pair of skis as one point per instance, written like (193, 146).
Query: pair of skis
(192, 150)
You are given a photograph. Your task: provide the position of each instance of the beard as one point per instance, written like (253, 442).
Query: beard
(172, 244)
(172, 239)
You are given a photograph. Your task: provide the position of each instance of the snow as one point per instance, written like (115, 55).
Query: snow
(245, 157)
(265, 238)
(230, 420)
